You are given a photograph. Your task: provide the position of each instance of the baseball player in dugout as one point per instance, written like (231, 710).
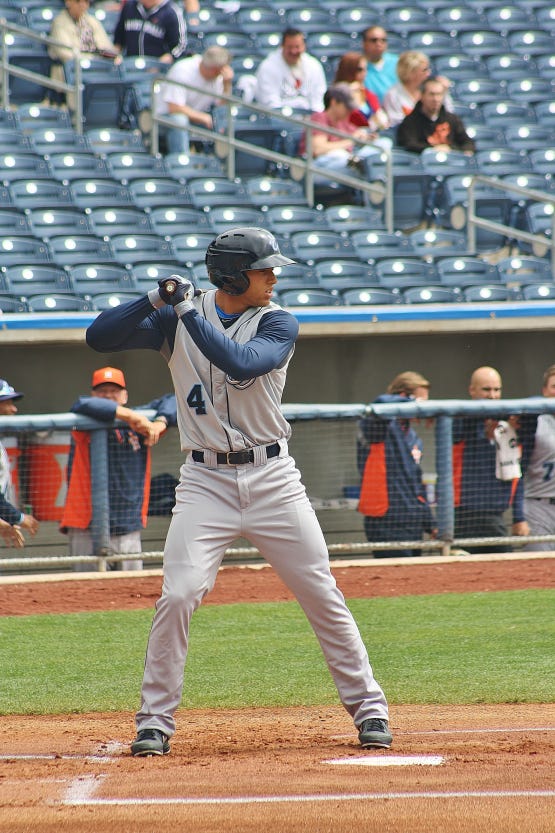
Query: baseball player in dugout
(128, 467)
(228, 350)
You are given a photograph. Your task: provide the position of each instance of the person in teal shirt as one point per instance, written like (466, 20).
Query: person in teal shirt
(382, 65)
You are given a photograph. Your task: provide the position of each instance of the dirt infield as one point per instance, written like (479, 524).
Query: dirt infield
(475, 769)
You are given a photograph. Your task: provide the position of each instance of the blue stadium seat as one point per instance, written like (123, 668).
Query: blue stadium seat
(433, 43)
(433, 243)
(457, 18)
(15, 165)
(475, 91)
(430, 295)
(91, 279)
(91, 192)
(53, 302)
(184, 166)
(14, 221)
(312, 246)
(134, 248)
(72, 249)
(482, 42)
(309, 298)
(465, 270)
(223, 217)
(408, 19)
(118, 220)
(109, 300)
(54, 139)
(529, 137)
(397, 273)
(170, 220)
(530, 90)
(375, 244)
(23, 250)
(115, 140)
(266, 191)
(505, 111)
(37, 115)
(128, 165)
(524, 269)
(40, 193)
(77, 165)
(538, 292)
(190, 247)
(487, 292)
(543, 161)
(370, 296)
(9, 305)
(207, 193)
(530, 41)
(337, 273)
(349, 218)
(507, 19)
(506, 66)
(27, 280)
(152, 191)
(285, 220)
(48, 222)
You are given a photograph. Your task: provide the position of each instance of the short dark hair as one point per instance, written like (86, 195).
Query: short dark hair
(291, 32)
(433, 79)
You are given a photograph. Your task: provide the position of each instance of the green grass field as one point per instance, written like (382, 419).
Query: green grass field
(450, 648)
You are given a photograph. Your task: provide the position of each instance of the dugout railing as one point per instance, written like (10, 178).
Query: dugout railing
(323, 443)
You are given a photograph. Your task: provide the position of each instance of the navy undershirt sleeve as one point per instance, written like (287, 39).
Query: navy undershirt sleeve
(268, 349)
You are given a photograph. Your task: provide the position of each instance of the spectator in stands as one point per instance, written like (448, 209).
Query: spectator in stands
(539, 480)
(290, 77)
(128, 466)
(486, 470)
(413, 68)
(75, 28)
(335, 153)
(192, 9)
(430, 125)
(155, 28)
(213, 74)
(9, 513)
(380, 75)
(389, 451)
(369, 112)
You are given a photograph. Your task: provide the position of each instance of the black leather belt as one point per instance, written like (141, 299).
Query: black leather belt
(236, 458)
(550, 500)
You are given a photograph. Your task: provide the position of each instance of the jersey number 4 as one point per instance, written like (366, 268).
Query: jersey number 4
(195, 399)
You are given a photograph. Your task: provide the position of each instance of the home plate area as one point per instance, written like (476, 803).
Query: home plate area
(451, 768)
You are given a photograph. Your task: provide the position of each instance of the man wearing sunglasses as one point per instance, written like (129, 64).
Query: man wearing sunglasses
(381, 73)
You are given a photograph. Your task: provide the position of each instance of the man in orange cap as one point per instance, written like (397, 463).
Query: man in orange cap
(128, 466)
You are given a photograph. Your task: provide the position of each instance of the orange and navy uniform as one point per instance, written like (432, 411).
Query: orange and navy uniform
(128, 468)
(392, 495)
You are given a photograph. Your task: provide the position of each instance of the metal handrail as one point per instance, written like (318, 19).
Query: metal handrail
(473, 221)
(305, 166)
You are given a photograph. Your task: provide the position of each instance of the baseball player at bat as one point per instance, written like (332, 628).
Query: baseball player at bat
(228, 350)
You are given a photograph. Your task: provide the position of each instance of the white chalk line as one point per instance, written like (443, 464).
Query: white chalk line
(472, 731)
(285, 799)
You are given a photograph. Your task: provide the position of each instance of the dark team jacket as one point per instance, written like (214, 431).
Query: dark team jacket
(153, 32)
(128, 468)
(8, 512)
(391, 477)
(414, 130)
(476, 487)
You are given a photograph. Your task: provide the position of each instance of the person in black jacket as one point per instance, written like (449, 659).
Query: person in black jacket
(152, 27)
(430, 125)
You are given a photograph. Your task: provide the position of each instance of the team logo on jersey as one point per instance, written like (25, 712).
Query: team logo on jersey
(240, 385)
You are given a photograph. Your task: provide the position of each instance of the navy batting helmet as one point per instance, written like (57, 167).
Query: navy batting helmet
(233, 252)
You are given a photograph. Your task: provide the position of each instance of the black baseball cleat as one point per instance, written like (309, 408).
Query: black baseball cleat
(150, 742)
(374, 733)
